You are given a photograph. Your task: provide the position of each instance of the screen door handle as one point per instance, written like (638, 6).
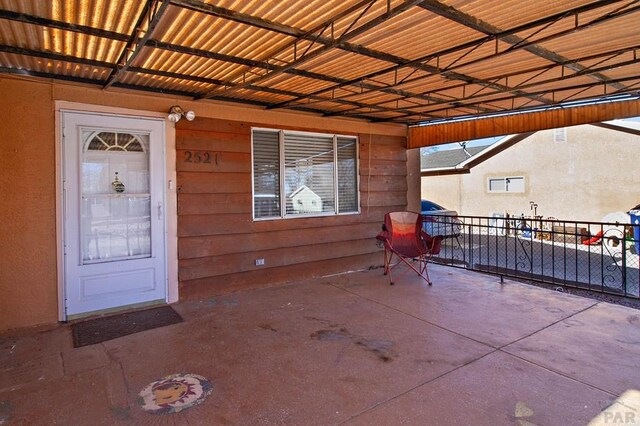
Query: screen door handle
(159, 210)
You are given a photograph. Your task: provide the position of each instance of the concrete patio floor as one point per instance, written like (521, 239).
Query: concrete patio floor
(346, 349)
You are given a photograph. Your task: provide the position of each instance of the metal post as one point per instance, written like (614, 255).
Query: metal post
(624, 259)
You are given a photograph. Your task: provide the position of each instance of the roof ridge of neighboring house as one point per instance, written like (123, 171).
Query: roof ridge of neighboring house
(464, 165)
(451, 157)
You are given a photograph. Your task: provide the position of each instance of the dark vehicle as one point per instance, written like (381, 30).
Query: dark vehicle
(439, 220)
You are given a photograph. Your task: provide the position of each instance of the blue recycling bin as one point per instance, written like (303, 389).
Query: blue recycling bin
(634, 215)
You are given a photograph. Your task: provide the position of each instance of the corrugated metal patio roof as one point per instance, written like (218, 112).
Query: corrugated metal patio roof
(405, 61)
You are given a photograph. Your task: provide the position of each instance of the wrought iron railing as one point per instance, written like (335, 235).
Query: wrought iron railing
(595, 256)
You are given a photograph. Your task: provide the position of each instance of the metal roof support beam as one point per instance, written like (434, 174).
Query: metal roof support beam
(199, 6)
(345, 46)
(615, 127)
(168, 74)
(523, 44)
(61, 25)
(204, 8)
(260, 64)
(207, 54)
(152, 13)
(579, 87)
(477, 24)
(569, 63)
(605, 56)
(418, 63)
(18, 71)
(525, 86)
(457, 76)
(301, 35)
(232, 15)
(314, 35)
(347, 35)
(429, 68)
(264, 89)
(92, 81)
(297, 33)
(54, 56)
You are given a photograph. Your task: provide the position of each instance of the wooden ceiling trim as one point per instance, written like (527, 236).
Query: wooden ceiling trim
(436, 134)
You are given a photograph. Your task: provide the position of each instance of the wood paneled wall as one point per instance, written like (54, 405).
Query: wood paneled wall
(218, 241)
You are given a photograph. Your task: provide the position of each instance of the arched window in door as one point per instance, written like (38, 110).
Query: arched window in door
(113, 141)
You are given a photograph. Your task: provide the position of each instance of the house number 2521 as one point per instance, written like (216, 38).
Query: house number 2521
(197, 157)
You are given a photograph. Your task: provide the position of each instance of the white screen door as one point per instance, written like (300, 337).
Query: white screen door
(114, 222)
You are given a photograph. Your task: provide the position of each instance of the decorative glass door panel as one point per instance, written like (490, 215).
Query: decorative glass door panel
(116, 204)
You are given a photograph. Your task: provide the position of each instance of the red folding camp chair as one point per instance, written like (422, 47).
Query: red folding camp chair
(404, 237)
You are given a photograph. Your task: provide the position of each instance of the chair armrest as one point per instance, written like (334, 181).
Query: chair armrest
(382, 236)
(432, 244)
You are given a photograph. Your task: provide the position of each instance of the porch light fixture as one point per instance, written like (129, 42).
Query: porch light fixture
(176, 113)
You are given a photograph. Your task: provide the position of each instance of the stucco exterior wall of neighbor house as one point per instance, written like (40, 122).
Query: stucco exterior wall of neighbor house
(29, 246)
(593, 173)
(443, 190)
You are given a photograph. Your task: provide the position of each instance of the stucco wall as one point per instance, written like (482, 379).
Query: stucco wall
(28, 247)
(591, 174)
(27, 206)
(443, 190)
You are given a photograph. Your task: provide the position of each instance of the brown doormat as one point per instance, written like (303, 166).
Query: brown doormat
(99, 330)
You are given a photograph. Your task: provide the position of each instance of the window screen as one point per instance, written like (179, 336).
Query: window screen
(308, 173)
(316, 174)
(348, 172)
(266, 174)
(497, 185)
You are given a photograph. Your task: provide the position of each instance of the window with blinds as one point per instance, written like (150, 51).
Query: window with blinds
(317, 174)
(266, 174)
(347, 168)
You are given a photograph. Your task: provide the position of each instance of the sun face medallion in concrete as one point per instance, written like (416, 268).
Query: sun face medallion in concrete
(174, 393)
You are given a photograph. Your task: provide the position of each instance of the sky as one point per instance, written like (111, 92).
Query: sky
(456, 145)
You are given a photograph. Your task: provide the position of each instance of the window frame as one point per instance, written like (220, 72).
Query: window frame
(504, 178)
(281, 172)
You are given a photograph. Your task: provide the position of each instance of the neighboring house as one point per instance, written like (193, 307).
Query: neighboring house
(577, 173)
(305, 200)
